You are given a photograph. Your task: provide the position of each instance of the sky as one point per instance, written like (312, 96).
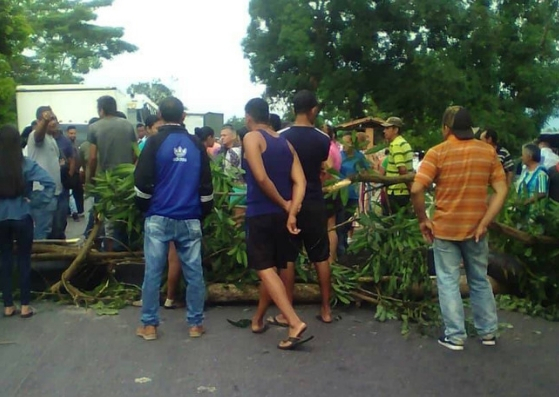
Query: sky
(192, 46)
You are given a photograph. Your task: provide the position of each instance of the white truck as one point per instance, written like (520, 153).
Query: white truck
(76, 104)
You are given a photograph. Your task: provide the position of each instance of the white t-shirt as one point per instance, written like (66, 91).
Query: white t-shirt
(47, 155)
(549, 159)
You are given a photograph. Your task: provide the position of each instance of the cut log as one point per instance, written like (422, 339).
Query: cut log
(521, 236)
(229, 293)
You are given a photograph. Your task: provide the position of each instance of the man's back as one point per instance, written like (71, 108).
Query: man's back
(462, 171)
(312, 147)
(114, 138)
(553, 173)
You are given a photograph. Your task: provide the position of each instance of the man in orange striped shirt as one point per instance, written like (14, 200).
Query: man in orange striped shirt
(462, 169)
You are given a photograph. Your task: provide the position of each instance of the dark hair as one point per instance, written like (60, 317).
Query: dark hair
(120, 115)
(93, 120)
(139, 125)
(204, 133)
(421, 155)
(331, 131)
(107, 104)
(304, 101)
(258, 109)
(228, 126)
(150, 120)
(171, 109)
(41, 110)
(491, 133)
(71, 127)
(535, 151)
(275, 122)
(241, 132)
(34, 123)
(12, 183)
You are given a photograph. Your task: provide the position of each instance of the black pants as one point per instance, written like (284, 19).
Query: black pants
(77, 193)
(394, 203)
(22, 232)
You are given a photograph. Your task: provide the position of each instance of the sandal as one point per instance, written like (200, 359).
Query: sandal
(30, 314)
(293, 342)
(261, 330)
(274, 321)
(12, 314)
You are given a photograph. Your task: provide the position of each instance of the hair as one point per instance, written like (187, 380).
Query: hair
(150, 121)
(171, 110)
(258, 109)
(304, 101)
(491, 133)
(41, 110)
(241, 132)
(421, 155)
(331, 131)
(12, 182)
(93, 120)
(107, 104)
(230, 128)
(34, 123)
(71, 127)
(275, 122)
(534, 151)
(204, 133)
(139, 125)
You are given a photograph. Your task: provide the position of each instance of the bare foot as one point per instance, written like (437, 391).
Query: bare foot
(297, 330)
(25, 310)
(9, 311)
(326, 314)
(257, 324)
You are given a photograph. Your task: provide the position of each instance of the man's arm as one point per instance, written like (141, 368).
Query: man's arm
(206, 189)
(92, 163)
(144, 175)
(510, 177)
(299, 183)
(42, 126)
(253, 155)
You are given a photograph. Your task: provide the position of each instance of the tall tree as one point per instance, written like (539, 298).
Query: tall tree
(413, 58)
(155, 90)
(65, 42)
(14, 32)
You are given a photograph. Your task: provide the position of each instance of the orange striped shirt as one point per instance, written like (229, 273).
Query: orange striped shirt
(462, 171)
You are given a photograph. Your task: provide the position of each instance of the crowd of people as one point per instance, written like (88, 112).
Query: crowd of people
(278, 173)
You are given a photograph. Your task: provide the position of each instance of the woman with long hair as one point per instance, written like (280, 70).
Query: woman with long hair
(23, 184)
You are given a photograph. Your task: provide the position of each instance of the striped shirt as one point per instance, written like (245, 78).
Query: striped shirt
(462, 171)
(400, 155)
(532, 183)
(505, 158)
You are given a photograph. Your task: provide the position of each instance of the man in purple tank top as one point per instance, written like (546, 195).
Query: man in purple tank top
(275, 190)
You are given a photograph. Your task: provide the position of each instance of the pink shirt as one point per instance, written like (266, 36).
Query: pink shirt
(335, 156)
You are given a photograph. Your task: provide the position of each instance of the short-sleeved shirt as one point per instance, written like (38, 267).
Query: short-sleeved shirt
(47, 155)
(312, 147)
(352, 165)
(462, 171)
(549, 158)
(400, 155)
(65, 146)
(505, 158)
(114, 138)
(532, 183)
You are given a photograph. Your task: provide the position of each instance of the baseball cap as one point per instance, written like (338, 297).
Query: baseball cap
(462, 125)
(393, 122)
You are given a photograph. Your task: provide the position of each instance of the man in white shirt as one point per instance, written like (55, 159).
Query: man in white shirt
(549, 158)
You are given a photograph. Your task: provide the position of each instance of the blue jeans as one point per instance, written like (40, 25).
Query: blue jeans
(448, 255)
(22, 232)
(60, 216)
(187, 236)
(42, 218)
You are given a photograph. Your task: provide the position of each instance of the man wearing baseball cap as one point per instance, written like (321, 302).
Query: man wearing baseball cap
(463, 168)
(400, 162)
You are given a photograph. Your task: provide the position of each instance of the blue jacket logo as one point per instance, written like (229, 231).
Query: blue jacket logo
(180, 154)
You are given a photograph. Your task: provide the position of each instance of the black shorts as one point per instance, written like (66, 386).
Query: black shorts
(267, 241)
(313, 222)
(333, 205)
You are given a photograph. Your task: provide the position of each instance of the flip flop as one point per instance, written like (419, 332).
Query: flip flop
(14, 313)
(274, 321)
(261, 330)
(28, 315)
(294, 342)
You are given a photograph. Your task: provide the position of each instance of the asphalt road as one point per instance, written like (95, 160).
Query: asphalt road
(68, 351)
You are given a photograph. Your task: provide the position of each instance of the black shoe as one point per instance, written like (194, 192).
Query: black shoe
(444, 341)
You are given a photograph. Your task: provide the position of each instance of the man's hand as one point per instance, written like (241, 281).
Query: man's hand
(288, 205)
(480, 233)
(292, 225)
(426, 228)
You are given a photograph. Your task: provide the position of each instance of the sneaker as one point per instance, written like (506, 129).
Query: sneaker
(196, 331)
(488, 340)
(148, 332)
(444, 341)
(137, 303)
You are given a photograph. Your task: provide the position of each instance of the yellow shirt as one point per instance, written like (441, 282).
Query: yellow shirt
(401, 155)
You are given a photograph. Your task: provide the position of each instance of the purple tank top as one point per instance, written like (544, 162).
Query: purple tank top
(277, 159)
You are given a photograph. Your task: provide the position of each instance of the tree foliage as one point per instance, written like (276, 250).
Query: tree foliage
(155, 90)
(413, 58)
(65, 41)
(14, 32)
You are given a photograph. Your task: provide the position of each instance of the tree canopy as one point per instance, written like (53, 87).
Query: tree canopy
(413, 58)
(155, 90)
